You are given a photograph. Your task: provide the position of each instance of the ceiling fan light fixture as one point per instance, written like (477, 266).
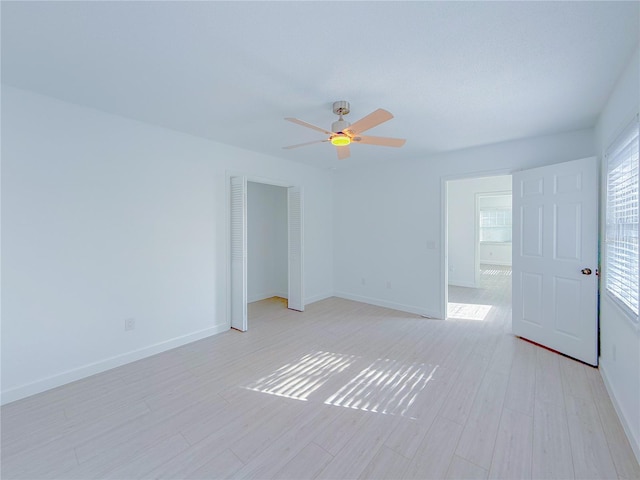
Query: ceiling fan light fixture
(340, 140)
(343, 133)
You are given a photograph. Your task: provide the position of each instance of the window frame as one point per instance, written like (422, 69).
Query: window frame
(500, 211)
(620, 296)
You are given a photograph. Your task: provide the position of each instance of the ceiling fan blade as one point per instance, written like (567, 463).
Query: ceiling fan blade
(370, 121)
(383, 141)
(344, 152)
(308, 125)
(303, 144)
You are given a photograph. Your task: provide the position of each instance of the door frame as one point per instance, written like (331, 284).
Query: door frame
(444, 227)
(227, 227)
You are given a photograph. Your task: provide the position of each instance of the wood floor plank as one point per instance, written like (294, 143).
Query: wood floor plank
(342, 427)
(49, 461)
(149, 458)
(276, 424)
(574, 378)
(70, 433)
(461, 469)
(384, 465)
(552, 457)
(548, 377)
(436, 451)
(37, 407)
(224, 465)
(488, 342)
(459, 353)
(513, 449)
(286, 446)
(197, 460)
(591, 456)
(173, 396)
(406, 436)
(520, 394)
(230, 425)
(354, 458)
(502, 356)
(479, 436)
(458, 403)
(307, 463)
(429, 400)
(144, 430)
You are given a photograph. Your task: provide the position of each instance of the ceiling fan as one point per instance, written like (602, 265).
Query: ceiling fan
(343, 133)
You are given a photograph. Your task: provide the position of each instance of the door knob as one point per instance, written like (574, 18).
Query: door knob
(586, 271)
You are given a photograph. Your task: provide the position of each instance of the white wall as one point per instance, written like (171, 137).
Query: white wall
(267, 259)
(105, 218)
(492, 253)
(462, 222)
(619, 339)
(388, 218)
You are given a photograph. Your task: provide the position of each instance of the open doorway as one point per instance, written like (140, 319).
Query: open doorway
(267, 250)
(238, 248)
(478, 257)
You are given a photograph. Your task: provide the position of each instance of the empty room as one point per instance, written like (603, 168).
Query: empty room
(329, 240)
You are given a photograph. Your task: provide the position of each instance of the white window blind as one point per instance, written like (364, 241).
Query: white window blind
(621, 243)
(495, 224)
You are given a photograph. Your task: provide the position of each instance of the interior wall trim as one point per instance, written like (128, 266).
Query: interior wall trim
(393, 305)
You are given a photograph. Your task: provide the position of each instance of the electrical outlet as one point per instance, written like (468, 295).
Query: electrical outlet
(388, 284)
(363, 281)
(613, 352)
(129, 324)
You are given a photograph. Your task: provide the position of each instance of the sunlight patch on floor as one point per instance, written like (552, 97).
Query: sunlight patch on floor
(505, 272)
(300, 379)
(468, 311)
(386, 386)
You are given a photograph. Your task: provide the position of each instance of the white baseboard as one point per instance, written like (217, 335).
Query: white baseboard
(317, 298)
(258, 297)
(264, 296)
(26, 390)
(385, 303)
(633, 441)
(307, 301)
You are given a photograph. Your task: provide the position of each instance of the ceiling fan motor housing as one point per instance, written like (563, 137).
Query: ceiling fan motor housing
(339, 126)
(341, 107)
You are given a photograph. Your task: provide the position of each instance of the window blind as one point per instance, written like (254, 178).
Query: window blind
(495, 224)
(621, 231)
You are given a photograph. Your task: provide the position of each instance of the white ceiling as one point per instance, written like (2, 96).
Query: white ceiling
(454, 74)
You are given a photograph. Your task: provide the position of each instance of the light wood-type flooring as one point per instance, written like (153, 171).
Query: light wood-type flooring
(343, 390)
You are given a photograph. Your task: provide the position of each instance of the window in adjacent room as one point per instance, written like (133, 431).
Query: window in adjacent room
(495, 218)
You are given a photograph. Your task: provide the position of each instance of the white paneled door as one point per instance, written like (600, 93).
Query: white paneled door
(296, 297)
(238, 269)
(555, 253)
